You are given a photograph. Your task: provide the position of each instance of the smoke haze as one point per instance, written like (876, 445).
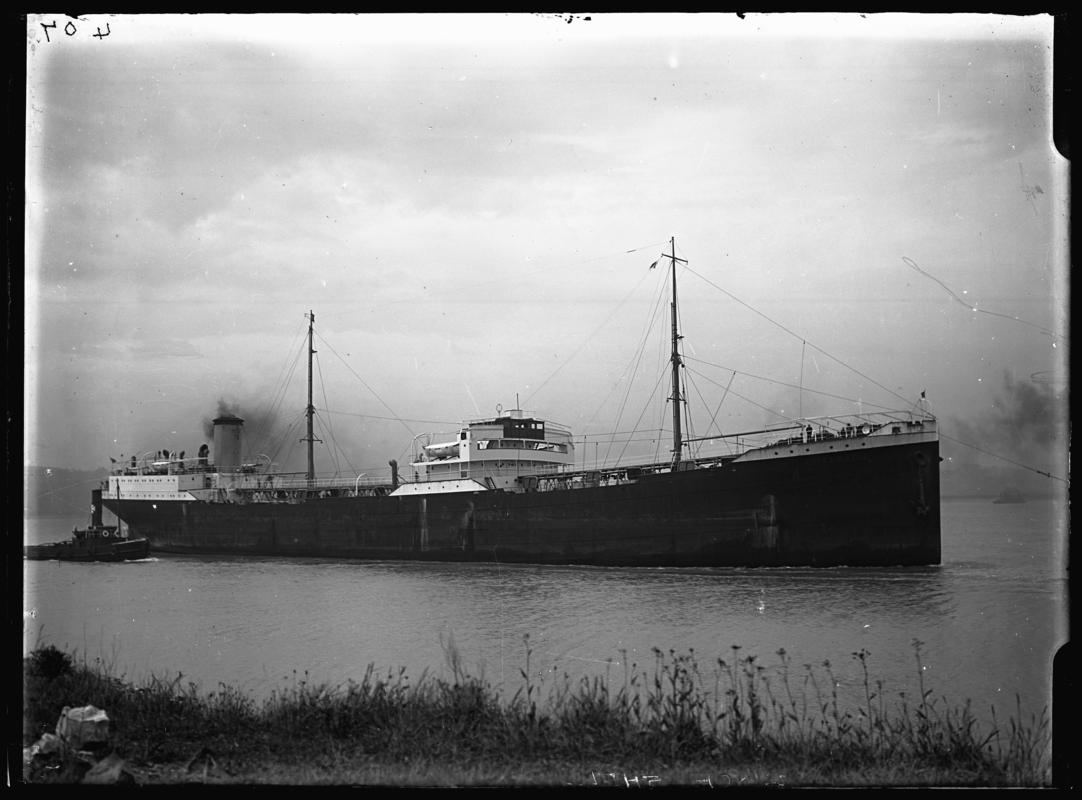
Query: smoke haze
(1027, 424)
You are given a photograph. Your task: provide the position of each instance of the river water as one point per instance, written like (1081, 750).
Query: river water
(990, 617)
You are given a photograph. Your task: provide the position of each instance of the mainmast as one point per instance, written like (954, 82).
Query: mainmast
(677, 438)
(311, 410)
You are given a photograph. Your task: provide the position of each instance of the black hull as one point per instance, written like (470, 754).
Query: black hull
(123, 550)
(878, 507)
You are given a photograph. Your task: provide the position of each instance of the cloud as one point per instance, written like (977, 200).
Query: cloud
(459, 207)
(164, 348)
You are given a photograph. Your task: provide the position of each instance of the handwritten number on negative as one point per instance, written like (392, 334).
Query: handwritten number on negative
(71, 30)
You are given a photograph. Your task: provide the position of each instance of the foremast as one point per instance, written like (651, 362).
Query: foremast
(677, 436)
(311, 409)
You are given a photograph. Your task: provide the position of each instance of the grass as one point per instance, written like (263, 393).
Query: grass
(671, 723)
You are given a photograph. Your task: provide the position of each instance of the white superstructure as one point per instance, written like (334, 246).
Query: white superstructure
(496, 451)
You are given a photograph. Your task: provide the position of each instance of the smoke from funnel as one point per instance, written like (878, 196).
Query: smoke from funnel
(263, 434)
(1027, 424)
(278, 438)
(1024, 421)
(225, 409)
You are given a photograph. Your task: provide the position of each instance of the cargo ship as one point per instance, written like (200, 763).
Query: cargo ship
(849, 490)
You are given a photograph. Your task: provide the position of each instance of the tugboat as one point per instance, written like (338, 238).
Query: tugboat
(97, 542)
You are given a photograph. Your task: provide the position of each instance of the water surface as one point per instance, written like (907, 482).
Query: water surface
(990, 617)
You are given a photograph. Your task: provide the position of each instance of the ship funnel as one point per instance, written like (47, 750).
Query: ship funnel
(394, 473)
(227, 434)
(95, 508)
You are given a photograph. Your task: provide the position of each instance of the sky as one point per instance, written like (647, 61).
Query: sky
(470, 205)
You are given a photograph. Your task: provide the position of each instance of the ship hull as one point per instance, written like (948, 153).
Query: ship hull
(121, 550)
(866, 508)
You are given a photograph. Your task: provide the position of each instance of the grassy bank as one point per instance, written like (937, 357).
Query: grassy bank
(667, 723)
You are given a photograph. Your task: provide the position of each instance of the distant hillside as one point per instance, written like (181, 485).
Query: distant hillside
(49, 491)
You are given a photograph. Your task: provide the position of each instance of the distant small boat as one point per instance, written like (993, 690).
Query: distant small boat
(1010, 496)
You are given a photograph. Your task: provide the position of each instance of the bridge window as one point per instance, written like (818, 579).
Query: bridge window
(524, 428)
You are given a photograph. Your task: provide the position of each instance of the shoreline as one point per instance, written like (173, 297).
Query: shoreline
(674, 724)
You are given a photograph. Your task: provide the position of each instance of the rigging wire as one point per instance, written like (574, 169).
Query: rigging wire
(286, 437)
(746, 399)
(728, 389)
(55, 491)
(285, 375)
(589, 338)
(687, 406)
(646, 406)
(662, 431)
(369, 388)
(267, 414)
(84, 482)
(800, 396)
(945, 436)
(718, 410)
(391, 419)
(796, 336)
(646, 247)
(1008, 460)
(337, 452)
(627, 396)
(790, 385)
(636, 355)
(349, 463)
(320, 428)
(593, 334)
(912, 264)
(691, 432)
(605, 435)
(271, 409)
(405, 449)
(329, 436)
(637, 359)
(647, 437)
